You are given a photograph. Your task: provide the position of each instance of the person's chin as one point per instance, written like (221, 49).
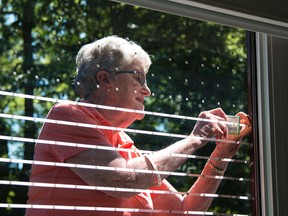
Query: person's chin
(140, 116)
(140, 107)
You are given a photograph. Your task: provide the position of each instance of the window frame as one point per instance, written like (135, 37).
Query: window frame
(205, 12)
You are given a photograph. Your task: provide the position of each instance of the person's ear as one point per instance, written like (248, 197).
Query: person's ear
(103, 78)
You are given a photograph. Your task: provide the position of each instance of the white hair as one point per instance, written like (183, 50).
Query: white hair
(110, 54)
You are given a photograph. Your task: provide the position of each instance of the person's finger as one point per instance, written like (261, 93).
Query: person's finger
(219, 112)
(218, 130)
(246, 120)
(221, 123)
(219, 117)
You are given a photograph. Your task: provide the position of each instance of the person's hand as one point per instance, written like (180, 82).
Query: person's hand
(229, 149)
(213, 127)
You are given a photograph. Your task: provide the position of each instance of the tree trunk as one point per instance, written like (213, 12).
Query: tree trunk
(28, 69)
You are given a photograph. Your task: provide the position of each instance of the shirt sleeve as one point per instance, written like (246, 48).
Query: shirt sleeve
(63, 132)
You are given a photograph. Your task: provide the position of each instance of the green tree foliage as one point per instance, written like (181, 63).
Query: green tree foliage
(196, 66)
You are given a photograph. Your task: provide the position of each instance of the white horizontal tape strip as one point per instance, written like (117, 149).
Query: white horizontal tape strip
(91, 208)
(155, 133)
(83, 166)
(82, 145)
(132, 190)
(112, 108)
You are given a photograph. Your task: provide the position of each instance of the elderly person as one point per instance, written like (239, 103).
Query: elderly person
(112, 72)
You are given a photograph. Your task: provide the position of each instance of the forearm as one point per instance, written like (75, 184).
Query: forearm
(165, 160)
(194, 200)
(206, 184)
(168, 160)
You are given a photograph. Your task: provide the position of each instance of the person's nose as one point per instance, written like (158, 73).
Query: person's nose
(146, 90)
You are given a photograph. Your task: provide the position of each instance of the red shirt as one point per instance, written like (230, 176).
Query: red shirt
(63, 175)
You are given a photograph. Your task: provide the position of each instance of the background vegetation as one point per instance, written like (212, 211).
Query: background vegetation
(196, 66)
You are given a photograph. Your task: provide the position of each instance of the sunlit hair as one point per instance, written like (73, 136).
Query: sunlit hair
(111, 53)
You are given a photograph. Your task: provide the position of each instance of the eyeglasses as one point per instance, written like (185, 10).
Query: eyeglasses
(140, 77)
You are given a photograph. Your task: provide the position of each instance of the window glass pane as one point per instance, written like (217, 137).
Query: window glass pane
(197, 66)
